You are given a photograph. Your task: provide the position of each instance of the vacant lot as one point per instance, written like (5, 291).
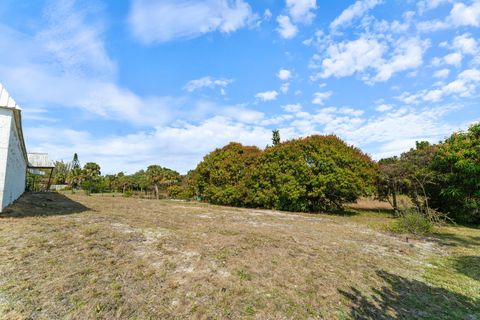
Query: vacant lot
(79, 257)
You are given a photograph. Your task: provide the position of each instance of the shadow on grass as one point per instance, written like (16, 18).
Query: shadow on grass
(34, 204)
(404, 298)
(469, 266)
(453, 240)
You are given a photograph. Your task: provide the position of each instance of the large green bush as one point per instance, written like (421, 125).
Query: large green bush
(309, 174)
(220, 177)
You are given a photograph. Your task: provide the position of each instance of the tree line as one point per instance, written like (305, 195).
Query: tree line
(155, 179)
(311, 174)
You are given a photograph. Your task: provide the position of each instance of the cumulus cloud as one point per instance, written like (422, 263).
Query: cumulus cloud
(292, 107)
(443, 73)
(301, 11)
(320, 97)
(465, 15)
(286, 28)
(356, 10)
(466, 44)
(206, 82)
(285, 87)
(407, 54)
(465, 85)
(163, 21)
(461, 15)
(267, 95)
(383, 107)
(347, 57)
(284, 74)
(368, 54)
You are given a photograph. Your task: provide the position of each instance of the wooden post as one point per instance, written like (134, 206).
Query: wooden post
(49, 179)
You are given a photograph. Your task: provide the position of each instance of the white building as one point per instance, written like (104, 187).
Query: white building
(13, 154)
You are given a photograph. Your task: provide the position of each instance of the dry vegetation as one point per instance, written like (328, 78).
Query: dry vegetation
(78, 257)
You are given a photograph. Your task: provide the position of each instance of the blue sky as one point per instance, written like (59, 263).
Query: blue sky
(132, 83)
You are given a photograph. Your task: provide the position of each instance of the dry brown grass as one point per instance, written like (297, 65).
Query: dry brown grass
(78, 257)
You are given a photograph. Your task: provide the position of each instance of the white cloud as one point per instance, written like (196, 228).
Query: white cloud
(284, 74)
(454, 59)
(358, 9)
(267, 15)
(167, 20)
(426, 5)
(285, 87)
(461, 15)
(432, 25)
(383, 107)
(348, 57)
(186, 144)
(78, 47)
(444, 73)
(466, 44)
(206, 82)
(465, 85)
(465, 15)
(320, 97)
(368, 54)
(292, 107)
(301, 11)
(408, 54)
(285, 28)
(267, 95)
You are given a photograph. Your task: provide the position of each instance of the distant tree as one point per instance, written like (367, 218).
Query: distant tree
(61, 172)
(155, 175)
(75, 162)
(161, 177)
(275, 137)
(91, 171)
(75, 176)
(140, 181)
(110, 180)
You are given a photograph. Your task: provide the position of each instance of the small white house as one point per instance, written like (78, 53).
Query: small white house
(13, 154)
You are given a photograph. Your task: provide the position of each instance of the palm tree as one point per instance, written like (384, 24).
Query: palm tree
(155, 175)
(91, 170)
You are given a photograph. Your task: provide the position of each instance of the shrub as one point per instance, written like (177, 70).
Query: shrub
(413, 222)
(311, 174)
(220, 177)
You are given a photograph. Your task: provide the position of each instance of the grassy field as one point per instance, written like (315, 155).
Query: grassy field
(78, 257)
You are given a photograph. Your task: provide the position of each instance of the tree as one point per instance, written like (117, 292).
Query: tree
(275, 137)
(391, 180)
(457, 164)
(61, 172)
(75, 177)
(311, 174)
(161, 177)
(220, 177)
(154, 174)
(91, 171)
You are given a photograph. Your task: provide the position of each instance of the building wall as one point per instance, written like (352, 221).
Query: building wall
(13, 164)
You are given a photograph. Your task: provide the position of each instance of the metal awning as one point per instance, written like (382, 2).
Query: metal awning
(40, 161)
